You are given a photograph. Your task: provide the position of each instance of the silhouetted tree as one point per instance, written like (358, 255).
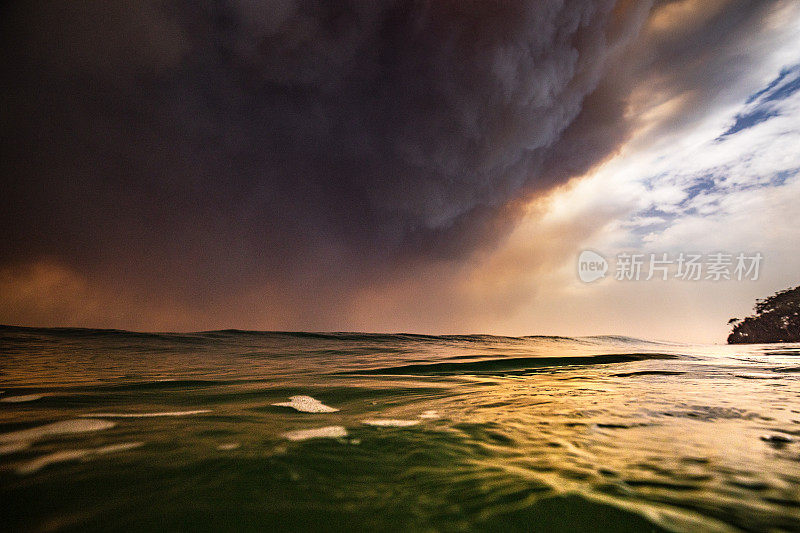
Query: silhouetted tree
(776, 319)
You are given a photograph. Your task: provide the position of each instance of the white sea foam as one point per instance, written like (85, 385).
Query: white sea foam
(22, 398)
(228, 446)
(429, 414)
(147, 415)
(72, 455)
(330, 432)
(758, 375)
(306, 404)
(386, 422)
(57, 428)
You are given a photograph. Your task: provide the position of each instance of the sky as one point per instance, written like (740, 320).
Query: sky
(430, 167)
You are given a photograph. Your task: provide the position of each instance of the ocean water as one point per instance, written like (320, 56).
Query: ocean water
(236, 430)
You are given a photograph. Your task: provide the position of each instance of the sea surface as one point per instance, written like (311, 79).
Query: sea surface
(239, 430)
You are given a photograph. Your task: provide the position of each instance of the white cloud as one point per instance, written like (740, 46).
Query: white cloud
(687, 190)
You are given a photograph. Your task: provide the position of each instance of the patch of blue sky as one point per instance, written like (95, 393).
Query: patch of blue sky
(762, 103)
(702, 185)
(654, 219)
(779, 178)
(703, 194)
(786, 90)
(706, 182)
(650, 182)
(748, 120)
(784, 74)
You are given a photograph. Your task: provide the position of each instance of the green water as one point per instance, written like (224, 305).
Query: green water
(456, 433)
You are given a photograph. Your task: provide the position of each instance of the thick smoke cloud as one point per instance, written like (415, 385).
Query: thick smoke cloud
(190, 148)
(373, 129)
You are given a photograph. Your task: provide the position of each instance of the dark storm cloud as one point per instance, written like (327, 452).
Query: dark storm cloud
(363, 128)
(196, 146)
